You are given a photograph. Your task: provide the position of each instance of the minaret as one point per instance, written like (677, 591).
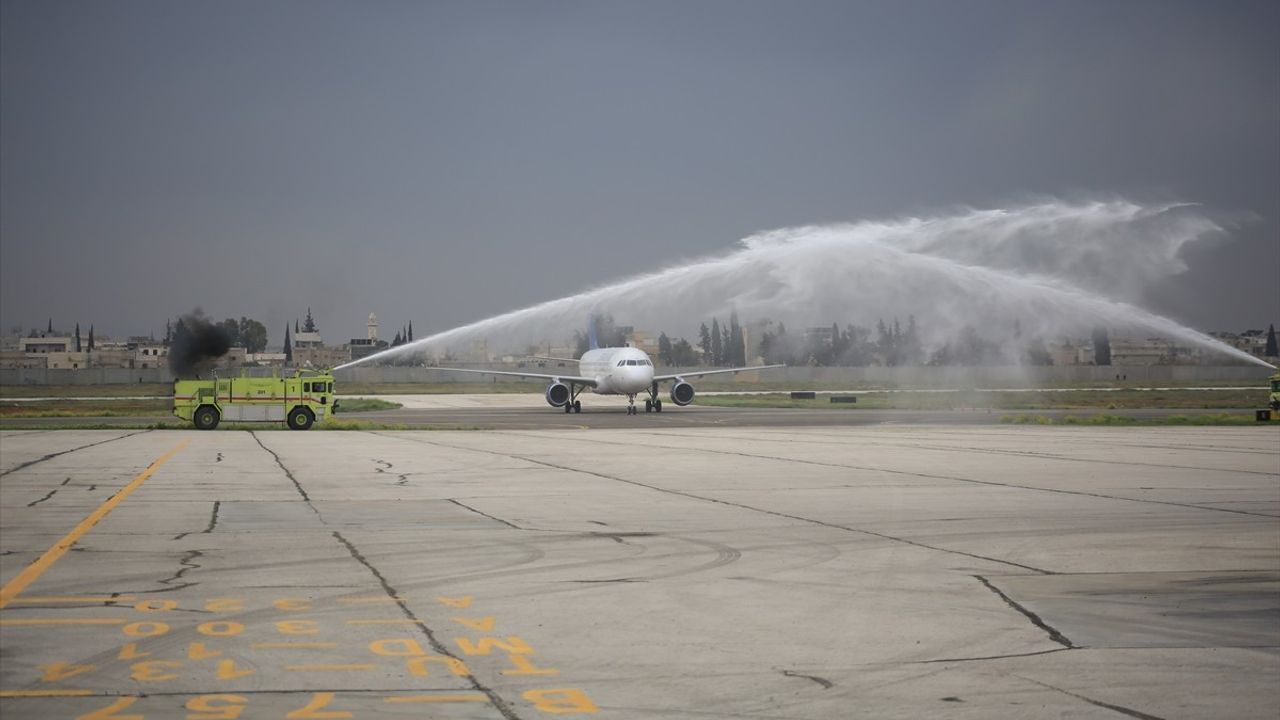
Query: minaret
(373, 327)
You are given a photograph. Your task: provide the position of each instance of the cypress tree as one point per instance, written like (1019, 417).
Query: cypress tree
(1272, 350)
(717, 343)
(78, 348)
(288, 345)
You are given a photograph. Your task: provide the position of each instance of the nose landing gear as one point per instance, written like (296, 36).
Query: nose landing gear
(631, 404)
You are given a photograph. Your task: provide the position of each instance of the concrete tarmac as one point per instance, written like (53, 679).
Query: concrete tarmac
(678, 572)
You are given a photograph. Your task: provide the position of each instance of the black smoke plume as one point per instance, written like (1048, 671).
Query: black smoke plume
(196, 346)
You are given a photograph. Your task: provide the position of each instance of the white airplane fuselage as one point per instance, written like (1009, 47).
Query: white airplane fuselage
(618, 370)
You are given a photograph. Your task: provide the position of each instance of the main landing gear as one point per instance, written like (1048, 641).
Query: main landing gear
(573, 404)
(652, 403)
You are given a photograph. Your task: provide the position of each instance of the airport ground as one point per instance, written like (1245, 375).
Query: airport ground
(664, 568)
(432, 407)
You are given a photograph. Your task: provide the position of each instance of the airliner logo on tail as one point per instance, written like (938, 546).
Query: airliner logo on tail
(593, 334)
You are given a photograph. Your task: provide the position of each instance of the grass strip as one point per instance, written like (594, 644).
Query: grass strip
(1119, 420)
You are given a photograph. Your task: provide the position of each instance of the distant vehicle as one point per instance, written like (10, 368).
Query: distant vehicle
(613, 371)
(300, 400)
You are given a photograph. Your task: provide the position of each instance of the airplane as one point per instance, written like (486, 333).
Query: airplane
(613, 371)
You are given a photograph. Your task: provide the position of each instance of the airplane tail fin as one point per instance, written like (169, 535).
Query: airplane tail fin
(593, 337)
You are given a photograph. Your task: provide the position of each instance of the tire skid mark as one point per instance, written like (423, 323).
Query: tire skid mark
(440, 648)
(927, 476)
(740, 506)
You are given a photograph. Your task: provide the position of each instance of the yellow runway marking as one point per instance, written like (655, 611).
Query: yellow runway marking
(33, 571)
(435, 698)
(311, 668)
(400, 621)
(293, 646)
(64, 621)
(36, 600)
(44, 693)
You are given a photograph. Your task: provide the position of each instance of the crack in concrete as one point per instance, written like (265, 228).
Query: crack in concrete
(825, 683)
(297, 486)
(51, 493)
(213, 521)
(33, 503)
(1054, 635)
(994, 657)
(741, 506)
(463, 505)
(51, 456)
(1098, 703)
(402, 479)
(213, 518)
(185, 562)
(498, 702)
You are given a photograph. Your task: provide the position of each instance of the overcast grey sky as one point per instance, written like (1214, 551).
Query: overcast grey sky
(441, 162)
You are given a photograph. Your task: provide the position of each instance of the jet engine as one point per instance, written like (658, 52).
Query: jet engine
(681, 393)
(558, 394)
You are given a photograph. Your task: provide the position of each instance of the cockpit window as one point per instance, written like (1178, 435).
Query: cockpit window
(621, 363)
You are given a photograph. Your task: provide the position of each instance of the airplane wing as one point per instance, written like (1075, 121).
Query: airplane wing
(552, 359)
(576, 379)
(699, 373)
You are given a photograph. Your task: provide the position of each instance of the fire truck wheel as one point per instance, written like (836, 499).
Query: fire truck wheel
(300, 418)
(206, 417)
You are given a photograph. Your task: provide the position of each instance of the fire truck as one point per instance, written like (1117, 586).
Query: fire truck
(299, 400)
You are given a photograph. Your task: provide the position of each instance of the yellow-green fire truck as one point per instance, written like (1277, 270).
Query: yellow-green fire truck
(299, 400)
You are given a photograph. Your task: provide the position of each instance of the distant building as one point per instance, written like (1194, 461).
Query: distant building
(111, 356)
(304, 340)
(266, 359)
(150, 354)
(19, 360)
(34, 345)
(364, 347)
(369, 344)
(645, 341)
